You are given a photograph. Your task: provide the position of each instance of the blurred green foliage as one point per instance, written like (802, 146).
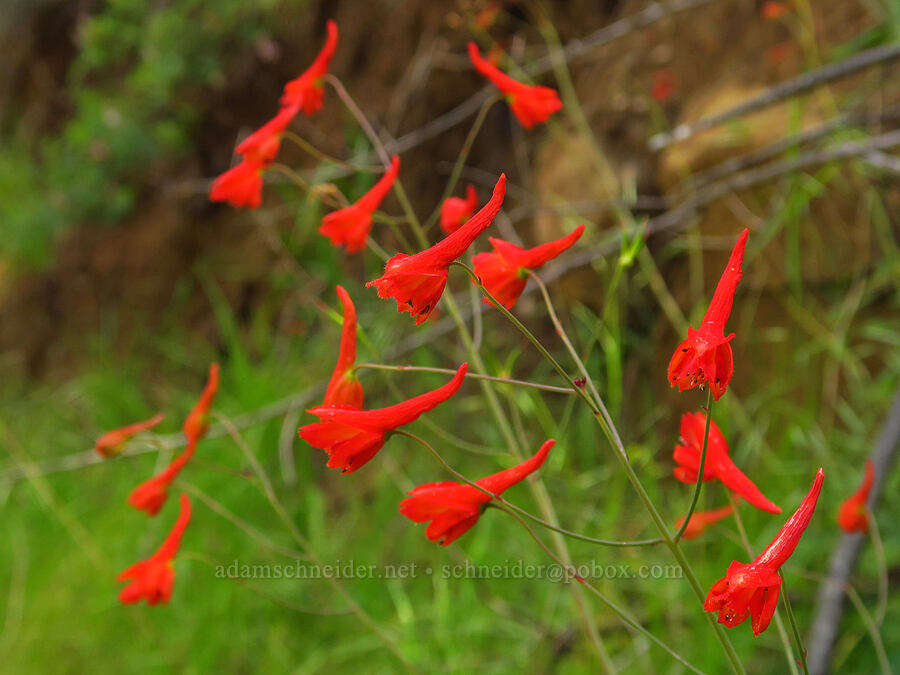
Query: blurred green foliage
(137, 89)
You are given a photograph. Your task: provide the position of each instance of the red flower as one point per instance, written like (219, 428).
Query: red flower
(700, 520)
(530, 104)
(417, 281)
(113, 442)
(196, 424)
(350, 226)
(150, 495)
(705, 356)
(344, 388)
(774, 10)
(663, 84)
(752, 589)
(505, 271)
(453, 508)
(853, 515)
(456, 211)
(262, 145)
(307, 91)
(154, 577)
(718, 464)
(240, 186)
(352, 437)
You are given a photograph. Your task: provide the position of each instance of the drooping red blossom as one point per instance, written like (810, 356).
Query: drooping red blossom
(455, 211)
(774, 10)
(153, 578)
(262, 145)
(113, 442)
(718, 463)
(150, 495)
(700, 520)
(351, 225)
(240, 186)
(344, 388)
(531, 104)
(453, 508)
(504, 272)
(196, 424)
(662, 84)
(752, 589)
(853, 515)
(417, 281)
(352, 437)
(705, 356)
(307, 90)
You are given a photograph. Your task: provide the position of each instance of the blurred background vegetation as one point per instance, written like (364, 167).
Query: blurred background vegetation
(120, 283)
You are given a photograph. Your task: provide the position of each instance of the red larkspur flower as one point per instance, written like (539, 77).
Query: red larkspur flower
(705, 356)
(150, 495)
(196, 424)
(752, 589)
(531, 104)
(240, 186)
(351, 225)
(853, 515)
(113, 442)
(344, 388)
(262, 145)
(718, 463)
(307, 90)
(456, 211)
(700, 520)
(774, 10)
(417, 281)
(352, 437)
(504, 272)
(663, 84)
(453, 508)
(154, 577)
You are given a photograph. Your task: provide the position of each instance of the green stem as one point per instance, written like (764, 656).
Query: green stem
(793, 621)
(696, 496)
(557, 324)
(475, 376)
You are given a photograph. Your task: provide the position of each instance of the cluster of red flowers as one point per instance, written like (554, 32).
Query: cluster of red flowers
(351, 435)
(154, 577)
(705, 359)
(242, 184)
